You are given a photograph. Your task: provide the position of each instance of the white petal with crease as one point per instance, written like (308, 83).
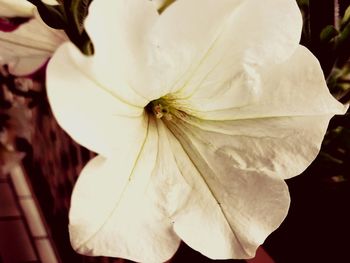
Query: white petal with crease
(228, 211)
(279, 147)
(122, 45)
(294, 88)
(222, 44)
(181, 41)
(111, 213)
(92, 115)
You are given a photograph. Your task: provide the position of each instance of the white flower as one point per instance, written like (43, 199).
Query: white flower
(198, 115)
(27, 48)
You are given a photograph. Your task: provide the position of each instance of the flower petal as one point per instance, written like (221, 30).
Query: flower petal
(295, 87)
(279, 147)
(227, 213)
(181, 40)
(111, 214)
(119, 41)
(221, 41)
(15, 8)
(30, 46)
(90, 113)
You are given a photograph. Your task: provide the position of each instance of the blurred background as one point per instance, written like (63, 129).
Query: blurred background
(40, 163)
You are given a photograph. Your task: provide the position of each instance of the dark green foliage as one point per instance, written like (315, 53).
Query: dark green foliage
(52, 15)
(69, 17)
(318, 219)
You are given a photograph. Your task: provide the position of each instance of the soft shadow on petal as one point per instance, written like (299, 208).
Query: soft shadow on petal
(280, 147)
(88, 112)
(168, 189)
(229, 211)
(221, 45)
(30, 46)
(111, 212)
(184, 37)
(296, 87)
(120, 42)
(267, 31)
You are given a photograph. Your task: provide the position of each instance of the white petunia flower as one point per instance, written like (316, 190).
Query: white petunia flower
(28, 47)
(198, 115)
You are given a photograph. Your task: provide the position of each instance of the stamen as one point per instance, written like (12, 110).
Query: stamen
(160, 109)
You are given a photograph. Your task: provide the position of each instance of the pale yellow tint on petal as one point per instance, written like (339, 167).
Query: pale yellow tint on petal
(227, 212)
(120, 40)
(111, 212)
(89, 112)
(296, 87)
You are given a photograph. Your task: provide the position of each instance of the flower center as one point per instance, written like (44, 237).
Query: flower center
(160, 108)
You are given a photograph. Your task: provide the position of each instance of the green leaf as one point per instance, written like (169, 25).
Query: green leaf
(328, 33)
(76, 12)
(346, 17)
(69, 16)
(344, 36)
(303, 2)
(52, 15)
(79, 10)
(165, 5)
(88, 48)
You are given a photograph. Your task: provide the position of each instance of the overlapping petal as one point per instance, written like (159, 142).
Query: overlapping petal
(278, 147)
(88, 111)
(295, 87)
(182, 40)
(222, 44)
(110, 213)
